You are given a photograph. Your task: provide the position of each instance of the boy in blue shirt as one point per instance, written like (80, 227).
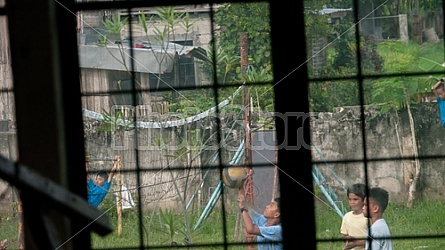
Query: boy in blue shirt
(379, 236)
(266, 227)
(98, 188)
(439, 91)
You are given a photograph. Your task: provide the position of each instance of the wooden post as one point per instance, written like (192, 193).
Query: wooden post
(246, 118)
(119, 198)
(247, 188)
(417, 29)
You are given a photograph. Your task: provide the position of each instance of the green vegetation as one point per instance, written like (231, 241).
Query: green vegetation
(423, 220)
(252, 18)
(390, 93)
(160, 228)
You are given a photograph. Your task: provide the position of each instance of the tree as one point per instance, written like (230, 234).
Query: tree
(160, 31)
(252, 18)
(396, 93)
(165, 34)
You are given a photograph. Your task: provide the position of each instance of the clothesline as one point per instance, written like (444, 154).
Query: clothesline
(168, 124)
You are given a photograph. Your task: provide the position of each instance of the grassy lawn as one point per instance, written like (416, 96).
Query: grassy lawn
(415, 228)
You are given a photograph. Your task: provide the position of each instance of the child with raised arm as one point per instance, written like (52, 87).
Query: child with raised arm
(439, 91)
(98, 188)
(266, 227)
(354, 225)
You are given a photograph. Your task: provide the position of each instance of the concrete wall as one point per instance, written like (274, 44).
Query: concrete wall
(387, 146)
(337, 144)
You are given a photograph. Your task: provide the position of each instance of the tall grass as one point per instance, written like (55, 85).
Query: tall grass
(166, 228)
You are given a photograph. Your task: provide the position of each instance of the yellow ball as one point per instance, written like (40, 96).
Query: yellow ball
(233, 177)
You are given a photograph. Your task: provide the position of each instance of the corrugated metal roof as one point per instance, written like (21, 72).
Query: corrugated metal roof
(148, 59)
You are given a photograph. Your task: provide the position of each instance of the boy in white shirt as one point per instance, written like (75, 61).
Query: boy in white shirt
(354, 226)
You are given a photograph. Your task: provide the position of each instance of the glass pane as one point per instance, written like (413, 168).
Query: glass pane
(243, 43)
(335, 121)
(330, 39)
(399, 57)
(147, 84)
(339, 190)
(330, 96)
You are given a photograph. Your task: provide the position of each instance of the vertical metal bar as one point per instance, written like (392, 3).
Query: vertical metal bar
(292, 124)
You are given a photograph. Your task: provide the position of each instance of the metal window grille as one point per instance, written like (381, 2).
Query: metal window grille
(140, 97)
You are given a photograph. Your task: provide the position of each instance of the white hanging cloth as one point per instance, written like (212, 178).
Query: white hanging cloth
(127, 200)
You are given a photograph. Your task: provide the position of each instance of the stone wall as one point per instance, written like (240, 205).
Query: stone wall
(337, 141)
(165, 163)
(387, 147)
